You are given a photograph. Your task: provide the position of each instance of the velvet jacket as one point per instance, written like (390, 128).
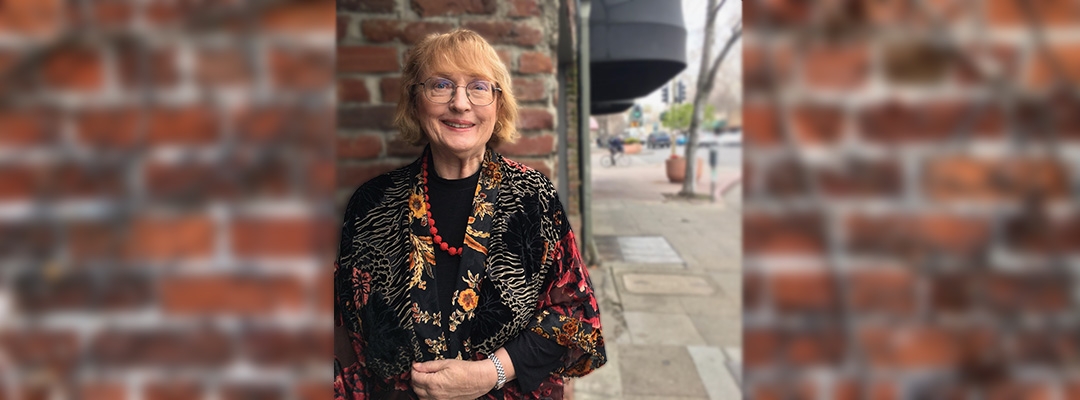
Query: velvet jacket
(520, 271)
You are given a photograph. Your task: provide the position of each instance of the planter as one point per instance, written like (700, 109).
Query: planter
(632, 148)
(676, 169)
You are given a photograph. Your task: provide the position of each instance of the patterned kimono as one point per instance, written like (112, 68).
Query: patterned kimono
(520, 271)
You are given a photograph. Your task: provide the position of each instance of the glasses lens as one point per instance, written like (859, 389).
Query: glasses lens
(439, 90)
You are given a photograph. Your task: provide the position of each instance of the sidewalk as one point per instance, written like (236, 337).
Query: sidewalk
(668, 285)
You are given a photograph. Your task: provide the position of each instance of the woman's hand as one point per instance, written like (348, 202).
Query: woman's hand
(453, 379)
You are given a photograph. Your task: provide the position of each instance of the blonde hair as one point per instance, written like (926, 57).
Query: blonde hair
(461, 50)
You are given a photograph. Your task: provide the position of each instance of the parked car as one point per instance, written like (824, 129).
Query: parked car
(658, 140)
(732, 138)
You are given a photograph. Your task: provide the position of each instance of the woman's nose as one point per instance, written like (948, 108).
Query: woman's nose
(460, 101)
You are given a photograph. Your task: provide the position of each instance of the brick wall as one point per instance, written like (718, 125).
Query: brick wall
(910, 217)
(373, 37)
(166, 182)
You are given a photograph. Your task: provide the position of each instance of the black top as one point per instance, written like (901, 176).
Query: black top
(534, 357)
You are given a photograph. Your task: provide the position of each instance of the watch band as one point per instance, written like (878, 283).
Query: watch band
(499, 369)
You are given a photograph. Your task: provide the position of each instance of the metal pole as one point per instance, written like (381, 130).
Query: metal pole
(584, 105)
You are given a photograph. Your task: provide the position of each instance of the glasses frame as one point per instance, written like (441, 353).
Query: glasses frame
(496, 90)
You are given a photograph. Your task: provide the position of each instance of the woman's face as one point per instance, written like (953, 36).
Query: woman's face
(459, 126)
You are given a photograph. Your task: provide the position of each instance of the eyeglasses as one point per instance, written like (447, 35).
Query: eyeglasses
(442, 91)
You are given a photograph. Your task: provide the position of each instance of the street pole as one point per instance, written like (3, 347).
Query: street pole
(584, 109)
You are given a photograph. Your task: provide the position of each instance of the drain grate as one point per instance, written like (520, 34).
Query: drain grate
(637, 249)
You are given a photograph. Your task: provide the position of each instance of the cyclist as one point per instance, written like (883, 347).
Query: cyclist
(615, 146)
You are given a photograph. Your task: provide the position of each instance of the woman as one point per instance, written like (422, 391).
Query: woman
(458, 275)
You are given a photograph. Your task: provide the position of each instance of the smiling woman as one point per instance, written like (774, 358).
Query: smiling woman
(458, 275)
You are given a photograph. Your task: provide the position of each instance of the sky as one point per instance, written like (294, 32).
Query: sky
(694, 17)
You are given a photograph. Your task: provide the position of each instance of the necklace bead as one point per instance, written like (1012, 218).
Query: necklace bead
(431, 220)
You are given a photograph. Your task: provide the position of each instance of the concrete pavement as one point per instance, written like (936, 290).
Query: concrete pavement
(669, 285)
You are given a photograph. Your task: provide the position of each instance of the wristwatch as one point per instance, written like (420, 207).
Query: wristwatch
(499, 369)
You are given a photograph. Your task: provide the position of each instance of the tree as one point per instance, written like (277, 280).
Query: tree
(706, 76)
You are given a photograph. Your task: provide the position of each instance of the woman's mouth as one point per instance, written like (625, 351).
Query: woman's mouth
(458, 124)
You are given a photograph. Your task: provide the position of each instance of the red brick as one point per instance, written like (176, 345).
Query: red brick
(803, 291)
(102, 391)
(506, 58)
(1047, 348)
(1035, 232)
(783, 12)
(381, 30)
(113, 14)
(171, 238)
(416, 31)
(83, 291)
(30, 239)
(429, 8)
(87, 180)
(529, 89)
(1041, 72)
(301, 17)
(390, 88)
(160, 70)
(1028, 293)
(1003, 56)
(32, 17)
(182, 183)
(787, 178)
(342, 27)
(916, 63)
(75, 69)
(20, 183)
(27, 127)
(967, 178)
(506, 32)
(817, 125)
(313, 391)
(766, 67)
(96, 240)
(889, 291)
(223, 66)
(295, 348)
(761, 348)
(897, 123)
(531, 62)
(951, 293)
(352, 59)
(172, 390)
(359, 147)
(910, 347)
(752, 291)
(36, 346)
(839, 67)
(1053, 13)
(233, 295)
(868, 390)
(296, 237)
(380, 117)
(159, 347)
(530, 145)
(761, 125)
(284, 125)
(193, 125)
(399, 148)
(535, 118)
(305, 70)
(917, 235)
(353, 91)
(108, 128)
(862, 178)
(352, 176)
(378, 6)
(523, 8)
(251, 391)
(320, 179)
(795, 233)
(819, 348)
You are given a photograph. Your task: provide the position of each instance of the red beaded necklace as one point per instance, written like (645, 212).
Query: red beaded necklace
(431, 220)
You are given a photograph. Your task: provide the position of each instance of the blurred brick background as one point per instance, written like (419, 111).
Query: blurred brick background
(911, 225)
(373, 38)
(166, 214)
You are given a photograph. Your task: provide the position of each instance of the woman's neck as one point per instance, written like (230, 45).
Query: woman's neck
(454, 166)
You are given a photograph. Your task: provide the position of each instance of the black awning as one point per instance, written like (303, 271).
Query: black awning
(611, 107)
(635, 46)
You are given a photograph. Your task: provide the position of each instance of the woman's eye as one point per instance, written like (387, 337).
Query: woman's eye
(480, 86)
(442, 85)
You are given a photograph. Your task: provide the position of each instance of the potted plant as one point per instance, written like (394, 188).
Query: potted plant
(675, 167)
(632, 146)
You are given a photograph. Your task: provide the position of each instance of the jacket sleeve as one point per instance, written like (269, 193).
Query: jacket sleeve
(567, 310)
(351, 289)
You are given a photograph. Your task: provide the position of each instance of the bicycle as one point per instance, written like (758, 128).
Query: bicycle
(615, 158)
